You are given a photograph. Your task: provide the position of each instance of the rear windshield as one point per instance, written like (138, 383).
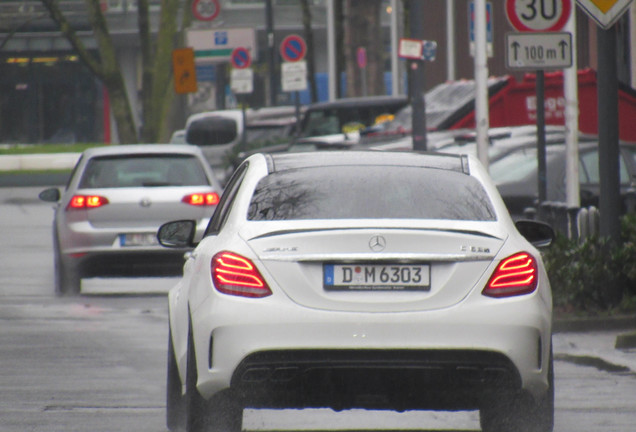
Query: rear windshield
(143, 170)
(354, 192)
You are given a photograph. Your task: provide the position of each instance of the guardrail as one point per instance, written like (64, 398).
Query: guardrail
(575, 222)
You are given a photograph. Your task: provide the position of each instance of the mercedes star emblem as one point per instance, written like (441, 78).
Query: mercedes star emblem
(377, 243)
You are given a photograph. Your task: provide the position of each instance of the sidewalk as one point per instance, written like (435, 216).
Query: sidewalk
(592, 342)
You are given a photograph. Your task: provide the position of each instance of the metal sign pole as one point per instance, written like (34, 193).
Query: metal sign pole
(297, 112)
(609, 199)
(271, 53)
(542, 171)
(570, 91)
(482, 118)
(416, 85)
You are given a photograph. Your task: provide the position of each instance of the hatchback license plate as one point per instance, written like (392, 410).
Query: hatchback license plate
(138, 239)
(380, 277)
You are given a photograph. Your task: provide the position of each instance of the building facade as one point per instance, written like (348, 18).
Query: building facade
(48, 95)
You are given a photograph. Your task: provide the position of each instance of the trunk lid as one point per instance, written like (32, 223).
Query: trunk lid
(294, 261)
(145, 208)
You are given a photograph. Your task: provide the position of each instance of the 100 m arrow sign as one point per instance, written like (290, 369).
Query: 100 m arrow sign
(538, 51)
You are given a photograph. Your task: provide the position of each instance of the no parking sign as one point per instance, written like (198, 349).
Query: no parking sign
(241, 58)
(293, 48)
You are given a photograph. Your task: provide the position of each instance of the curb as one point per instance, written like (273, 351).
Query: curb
(626, 341)
(581, 325)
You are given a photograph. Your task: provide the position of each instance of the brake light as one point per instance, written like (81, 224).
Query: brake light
(236, 275)
(201, 199)
(515, 275)
(86, 202)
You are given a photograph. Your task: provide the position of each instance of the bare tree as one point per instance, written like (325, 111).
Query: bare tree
(156, 64)
(15, 29)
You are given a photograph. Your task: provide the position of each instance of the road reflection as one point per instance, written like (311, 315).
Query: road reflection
(289, 420)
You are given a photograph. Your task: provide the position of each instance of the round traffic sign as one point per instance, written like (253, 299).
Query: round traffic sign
(205, 10)
(538, 15)
(293, 48)
(241, 58)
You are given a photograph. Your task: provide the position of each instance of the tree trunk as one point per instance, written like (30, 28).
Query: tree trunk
(146, 72)
(106, 68)
(159, 91)
(172, 105)
(120, 107)
(111, 75)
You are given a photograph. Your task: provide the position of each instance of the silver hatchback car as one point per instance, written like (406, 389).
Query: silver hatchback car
(106, 219)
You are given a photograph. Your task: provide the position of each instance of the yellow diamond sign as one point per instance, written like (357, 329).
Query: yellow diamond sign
(604, 12)
(604, 5)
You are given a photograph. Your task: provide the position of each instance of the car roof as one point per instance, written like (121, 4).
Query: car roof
(232, 114)
(132, 149)
(286, 161)
(359, 102)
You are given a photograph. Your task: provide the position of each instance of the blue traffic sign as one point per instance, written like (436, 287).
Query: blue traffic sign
(429, 50)
(241, 58)
(293, 48)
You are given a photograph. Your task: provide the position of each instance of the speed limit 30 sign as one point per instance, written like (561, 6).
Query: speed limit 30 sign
(538, 15)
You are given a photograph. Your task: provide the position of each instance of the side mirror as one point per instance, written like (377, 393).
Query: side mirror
(50, 195)
(177, 234)
(540, 234)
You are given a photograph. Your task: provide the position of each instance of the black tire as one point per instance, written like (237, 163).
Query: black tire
(521, 413)
(67, 278)
(222, 413)
(175, 402)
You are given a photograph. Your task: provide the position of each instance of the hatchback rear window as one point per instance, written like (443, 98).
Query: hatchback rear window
(143, 170)
(356, 192)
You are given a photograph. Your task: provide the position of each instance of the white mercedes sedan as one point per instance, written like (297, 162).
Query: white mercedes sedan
(346, 279)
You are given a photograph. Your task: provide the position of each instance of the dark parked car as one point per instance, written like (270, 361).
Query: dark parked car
(334, 125)
(515, 174)
(350, 115)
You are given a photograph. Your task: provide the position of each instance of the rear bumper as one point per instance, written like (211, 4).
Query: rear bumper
(448, 359)
(127, 263)
(374, 379)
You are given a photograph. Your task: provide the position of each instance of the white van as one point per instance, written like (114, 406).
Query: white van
(220, 133)
(216, 132)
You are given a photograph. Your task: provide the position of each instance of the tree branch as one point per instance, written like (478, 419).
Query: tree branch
(66, 29)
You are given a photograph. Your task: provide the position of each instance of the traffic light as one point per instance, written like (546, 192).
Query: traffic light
(185, 76)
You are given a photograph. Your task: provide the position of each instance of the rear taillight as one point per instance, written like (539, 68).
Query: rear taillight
(236, 275)
(86, 202)
(515, 275)
(201, 199)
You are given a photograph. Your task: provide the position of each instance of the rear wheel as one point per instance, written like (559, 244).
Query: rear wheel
(222, 413)
(67, 278)
(521, 413)
(175, 403)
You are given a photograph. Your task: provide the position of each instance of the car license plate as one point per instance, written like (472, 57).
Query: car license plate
(370, 277)
(138, 239)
